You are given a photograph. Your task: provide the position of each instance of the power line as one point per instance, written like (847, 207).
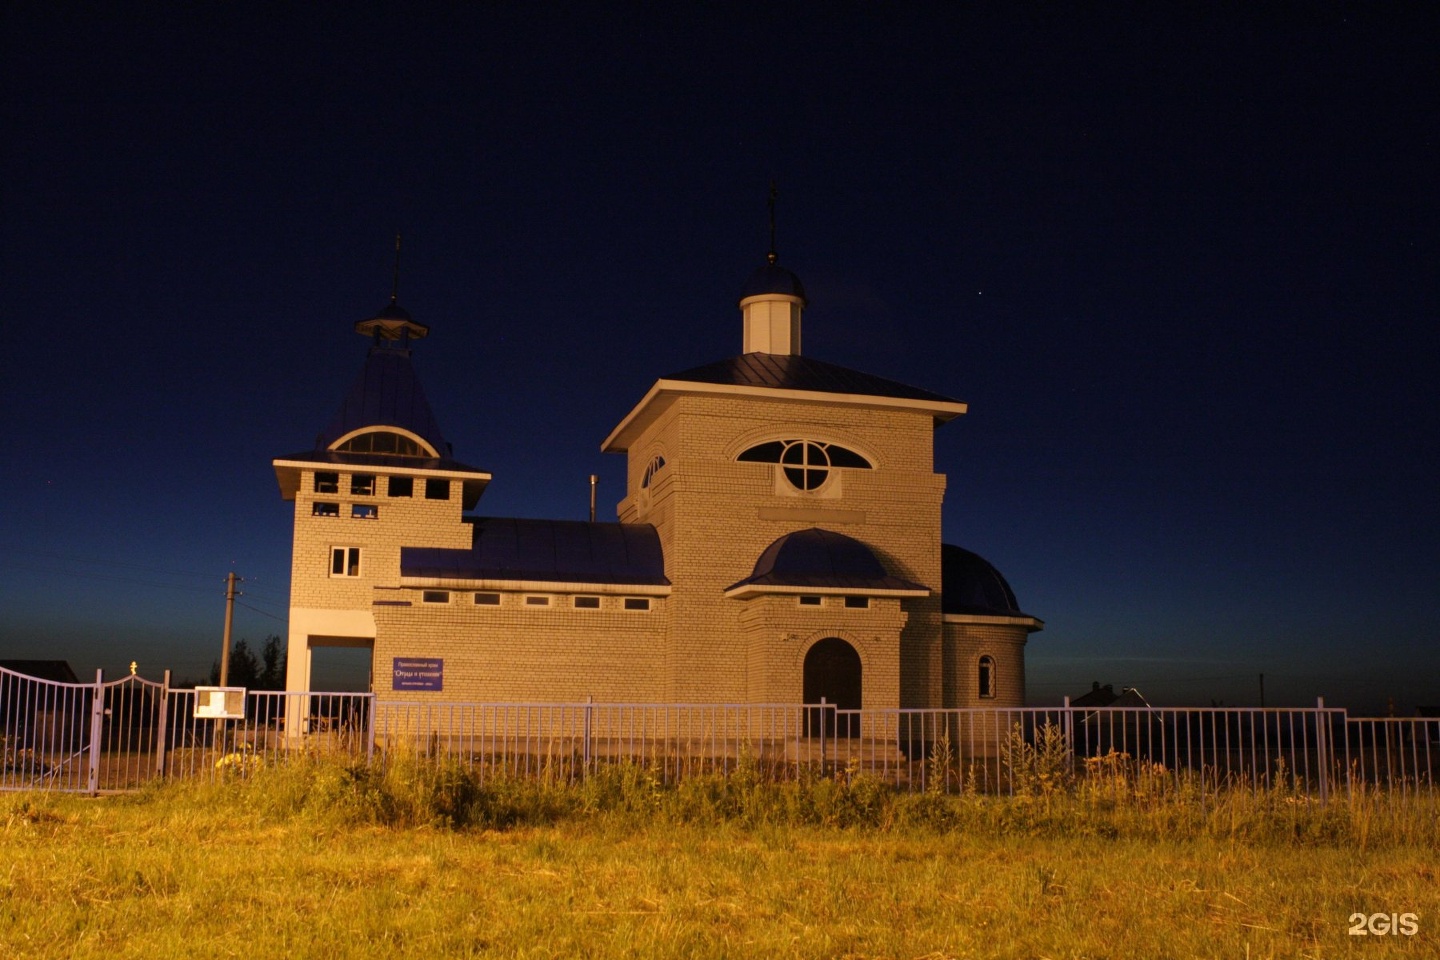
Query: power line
(267, 606)
(112, 578)
(261, 612)
(108, 563)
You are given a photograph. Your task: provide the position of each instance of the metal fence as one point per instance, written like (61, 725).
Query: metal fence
(79, 737)
(112, 736)
(1316, 750)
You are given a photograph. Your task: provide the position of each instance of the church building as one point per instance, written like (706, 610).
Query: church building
(778, 542)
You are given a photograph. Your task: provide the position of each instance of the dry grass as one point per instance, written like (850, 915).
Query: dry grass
(325, 862)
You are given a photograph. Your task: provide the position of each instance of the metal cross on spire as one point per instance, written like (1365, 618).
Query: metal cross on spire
(393, 322)
(772, 256)
(395, 286)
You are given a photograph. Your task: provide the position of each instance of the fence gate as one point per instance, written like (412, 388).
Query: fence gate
(129, 730)
(80, 737)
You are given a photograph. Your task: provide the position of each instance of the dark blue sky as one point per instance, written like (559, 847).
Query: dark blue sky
(1184, 268)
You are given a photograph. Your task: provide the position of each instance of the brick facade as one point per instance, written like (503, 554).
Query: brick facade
(714, 515)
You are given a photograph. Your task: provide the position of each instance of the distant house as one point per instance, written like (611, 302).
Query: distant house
(1106, 696)
(1123, 731)
(56, 671)
(40, 716)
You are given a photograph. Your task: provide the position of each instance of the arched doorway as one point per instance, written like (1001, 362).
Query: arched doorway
(832, 671)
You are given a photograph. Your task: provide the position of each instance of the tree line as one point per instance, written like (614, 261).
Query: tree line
(263, 672)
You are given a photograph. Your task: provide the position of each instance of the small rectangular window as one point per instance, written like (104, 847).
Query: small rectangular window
(809, 601)
(364, 511)
(637, 603)
(401, 486)
(319, 509)
(327, 482)
(537, 601)
(344, 561)
(587, 603)
(435, 596)
(362, 484)
(487, 599)
(857, 603)
(437, 489)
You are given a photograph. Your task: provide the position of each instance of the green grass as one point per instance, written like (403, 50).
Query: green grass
(321, 860)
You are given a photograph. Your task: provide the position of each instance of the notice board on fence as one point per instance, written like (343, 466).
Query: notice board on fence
(414, 673)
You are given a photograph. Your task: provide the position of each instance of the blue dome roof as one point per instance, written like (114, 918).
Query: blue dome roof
(818, 553)
(969, 584)
(773, 278)
(822, 558)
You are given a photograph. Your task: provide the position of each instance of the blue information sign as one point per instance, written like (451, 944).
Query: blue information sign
(413, 673)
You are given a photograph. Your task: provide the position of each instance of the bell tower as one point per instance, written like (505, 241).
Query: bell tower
(379, 478)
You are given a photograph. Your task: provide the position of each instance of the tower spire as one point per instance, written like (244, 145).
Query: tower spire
(393, 321)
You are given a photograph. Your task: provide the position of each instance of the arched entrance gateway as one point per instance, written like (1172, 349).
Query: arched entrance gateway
(832, 673)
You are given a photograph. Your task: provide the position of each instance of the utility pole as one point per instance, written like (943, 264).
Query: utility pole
(230, 582)
(593, 480)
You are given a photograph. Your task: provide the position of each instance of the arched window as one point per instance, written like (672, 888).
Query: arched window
(805, 463)
(987, 677)
(384, 441)
(655, 467)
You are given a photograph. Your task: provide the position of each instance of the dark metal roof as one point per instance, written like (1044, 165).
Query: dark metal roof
(560, 551)
(56, 671)
(773, 278)
(792, 372)
(386, 394)
(970, 584)
(822, 558)
(388, 461)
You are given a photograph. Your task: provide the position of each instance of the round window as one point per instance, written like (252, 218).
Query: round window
(806, 464)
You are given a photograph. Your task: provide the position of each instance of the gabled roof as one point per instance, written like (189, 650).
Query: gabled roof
(1106, 696)
(545, 551)
(386, 394)
(777, 376)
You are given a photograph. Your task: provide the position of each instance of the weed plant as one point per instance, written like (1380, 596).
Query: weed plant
(1111, 797)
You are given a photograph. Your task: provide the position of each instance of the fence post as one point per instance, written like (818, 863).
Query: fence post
(97, 720)
(370, 730)
(1068, 725)
(162, 731)
(1322, 754)
(589, 710)
(823, 717)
